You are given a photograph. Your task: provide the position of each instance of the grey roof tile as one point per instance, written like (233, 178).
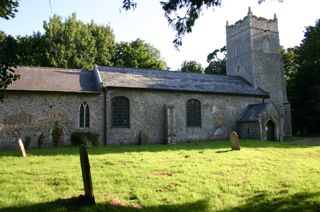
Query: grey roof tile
(177, 81)
(54, 79)
(253, 112)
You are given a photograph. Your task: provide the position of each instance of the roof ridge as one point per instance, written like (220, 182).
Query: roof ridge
(51, 68)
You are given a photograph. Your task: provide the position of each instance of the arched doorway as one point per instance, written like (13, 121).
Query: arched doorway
(270, 131)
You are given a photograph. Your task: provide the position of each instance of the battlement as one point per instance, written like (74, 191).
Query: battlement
(252, 21)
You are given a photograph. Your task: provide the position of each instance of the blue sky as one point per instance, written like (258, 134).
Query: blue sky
(148, 23)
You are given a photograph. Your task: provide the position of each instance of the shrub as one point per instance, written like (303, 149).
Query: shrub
(40, 140)
(78, 138)
(27, 141)
(56, 134)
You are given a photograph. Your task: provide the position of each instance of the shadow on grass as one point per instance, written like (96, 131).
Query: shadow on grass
(219, 145)
(303, 201)
(73, 204)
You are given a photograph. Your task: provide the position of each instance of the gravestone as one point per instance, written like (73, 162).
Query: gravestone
(234, 140)
(86, 176)
(22, 150)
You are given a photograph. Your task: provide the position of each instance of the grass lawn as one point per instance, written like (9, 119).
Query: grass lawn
(200, 176)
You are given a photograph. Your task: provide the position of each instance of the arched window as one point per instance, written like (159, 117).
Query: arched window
(266, 46)
(237, 48)
(193, 113)
(84, 119)
(120, 111)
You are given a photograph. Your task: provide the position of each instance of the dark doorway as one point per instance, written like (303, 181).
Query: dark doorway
(270, 128)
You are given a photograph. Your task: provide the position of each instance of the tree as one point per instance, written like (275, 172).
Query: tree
(304, 83)
(191, 66)
(217, 65)
(67, 44)
(8, 8)
(71, 44)
(289, 57)
(8, 58)
(138, 54)
(104, 43)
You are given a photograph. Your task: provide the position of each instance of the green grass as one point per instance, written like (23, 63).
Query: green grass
(200, 176)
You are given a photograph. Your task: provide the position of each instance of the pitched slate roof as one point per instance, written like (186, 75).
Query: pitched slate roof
(253, 112)
(176, 81)
(54, 79)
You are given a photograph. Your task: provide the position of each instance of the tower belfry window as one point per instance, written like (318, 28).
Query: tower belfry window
(266, 46)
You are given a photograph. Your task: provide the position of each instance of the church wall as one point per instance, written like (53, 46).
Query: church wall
(219, 114)
(35, 113)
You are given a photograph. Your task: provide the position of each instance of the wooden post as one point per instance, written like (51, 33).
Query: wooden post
(86, 176)
(22, 150)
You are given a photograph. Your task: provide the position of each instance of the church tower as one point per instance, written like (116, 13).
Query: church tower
(253, 51)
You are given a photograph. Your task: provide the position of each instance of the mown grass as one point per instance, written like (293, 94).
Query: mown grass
(199, 176)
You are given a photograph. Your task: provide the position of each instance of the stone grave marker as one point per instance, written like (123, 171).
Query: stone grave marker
(86, 176)
(234, 140)
(22, 149)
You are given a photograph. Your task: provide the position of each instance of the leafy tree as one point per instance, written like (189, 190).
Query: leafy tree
(217, 65)
(71, 44)
(8, 58)
(191, 66)
(8, 8)
(289, 57)
(67, 44)
(137, 54)
(304, 83)
(104, 43)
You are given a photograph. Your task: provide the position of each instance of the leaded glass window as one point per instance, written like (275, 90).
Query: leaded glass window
(120, 112)
(193, 113)
(84, 119)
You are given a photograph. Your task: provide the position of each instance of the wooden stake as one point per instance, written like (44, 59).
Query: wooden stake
(86, 176)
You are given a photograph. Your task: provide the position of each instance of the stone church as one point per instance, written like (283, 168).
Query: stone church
(125, 105)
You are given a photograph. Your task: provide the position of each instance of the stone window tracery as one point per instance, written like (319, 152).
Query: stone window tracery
(120, 112)
(193, 113)
(84, 119)
(266, 46)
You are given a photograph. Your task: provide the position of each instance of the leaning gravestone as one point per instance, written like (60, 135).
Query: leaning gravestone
(234, 139)
(21, 146)
(86, 176)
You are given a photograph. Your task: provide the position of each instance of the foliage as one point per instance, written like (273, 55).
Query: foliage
(289, 57)
(303, 79)
(182, 14)
(71, 44)
(217, 65)
(56, 134)
(199, 176)
(67, 44)
(78, 138)
(7, 62)
(40, 140)
(138, 54)
(191, 66)
(27, 142)
(8, 8)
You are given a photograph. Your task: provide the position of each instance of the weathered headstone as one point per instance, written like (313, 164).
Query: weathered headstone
(86, 176)
(234, 140)
(21, 146)
(143, 138)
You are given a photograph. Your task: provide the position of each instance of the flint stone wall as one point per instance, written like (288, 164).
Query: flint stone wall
(219, 115)
(38, 109)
